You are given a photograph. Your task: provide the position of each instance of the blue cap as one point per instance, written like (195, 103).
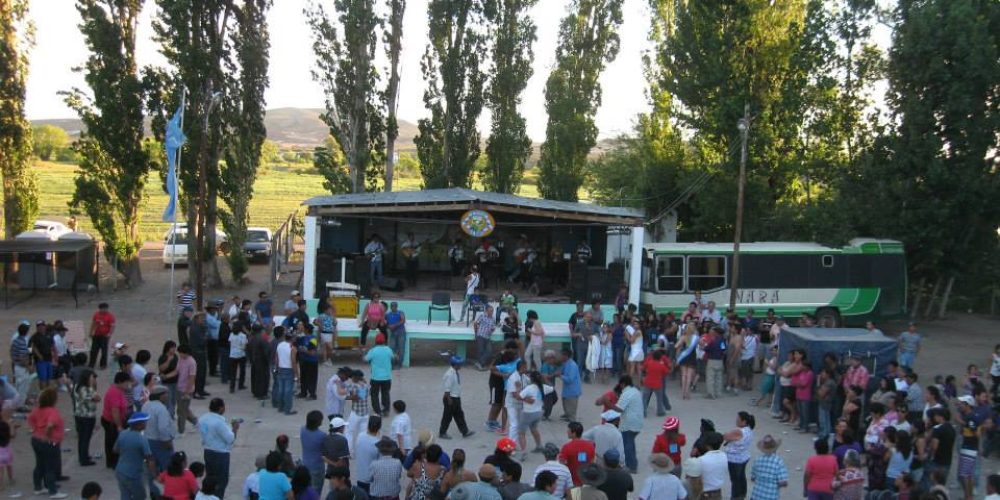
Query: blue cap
(456, 360)
(612, 456)
(138, 417)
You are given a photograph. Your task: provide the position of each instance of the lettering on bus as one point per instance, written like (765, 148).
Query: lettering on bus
(757, 296)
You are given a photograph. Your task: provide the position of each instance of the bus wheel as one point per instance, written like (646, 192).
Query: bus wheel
(828, 317)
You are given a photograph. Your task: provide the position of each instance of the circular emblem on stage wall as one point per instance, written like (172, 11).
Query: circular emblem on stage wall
(477, 223)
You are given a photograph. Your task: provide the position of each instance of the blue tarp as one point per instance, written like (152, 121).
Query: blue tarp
(875, 349)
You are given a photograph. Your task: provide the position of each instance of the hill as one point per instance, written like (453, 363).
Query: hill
(289, 127)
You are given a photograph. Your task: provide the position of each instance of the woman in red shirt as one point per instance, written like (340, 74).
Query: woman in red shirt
(821, 468)
(655, 369)
(178, 482)
(670, 443)
(47, 430)
(113, 415)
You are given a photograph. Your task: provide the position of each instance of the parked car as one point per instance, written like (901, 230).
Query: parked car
(50, 228)
(258, 244)
(175, 245)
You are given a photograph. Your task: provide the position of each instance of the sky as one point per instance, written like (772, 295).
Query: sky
(59, 47)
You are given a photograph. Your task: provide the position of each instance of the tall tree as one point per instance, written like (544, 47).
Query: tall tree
(717, 57)
(193, 37)
(114, 163)
(393, 46)
(49, 142)
(20, 194)
(588, 40)
(448, 141)
(345, 60)
(245, 131)
(508, 148)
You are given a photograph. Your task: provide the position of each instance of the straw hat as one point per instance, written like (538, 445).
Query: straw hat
(768, 444)
(425, 437)
(661, 462)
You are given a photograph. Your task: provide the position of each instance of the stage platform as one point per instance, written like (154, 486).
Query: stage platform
(554, 318)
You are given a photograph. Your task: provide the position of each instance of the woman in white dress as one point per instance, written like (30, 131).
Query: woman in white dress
(604, 363)
(633, 334)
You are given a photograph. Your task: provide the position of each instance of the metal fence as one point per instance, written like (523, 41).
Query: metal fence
(284, 247)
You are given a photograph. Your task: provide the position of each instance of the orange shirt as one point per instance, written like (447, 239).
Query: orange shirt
(39, 421)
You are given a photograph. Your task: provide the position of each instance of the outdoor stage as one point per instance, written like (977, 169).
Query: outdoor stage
(554, 318)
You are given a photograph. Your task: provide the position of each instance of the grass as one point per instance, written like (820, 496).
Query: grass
(277, 193)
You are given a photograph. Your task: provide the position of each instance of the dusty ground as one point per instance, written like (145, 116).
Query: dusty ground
(142, 322)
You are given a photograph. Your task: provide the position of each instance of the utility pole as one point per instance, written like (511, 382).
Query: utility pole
(744, 126)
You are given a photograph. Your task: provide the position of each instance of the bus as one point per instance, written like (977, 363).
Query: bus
(864, 280)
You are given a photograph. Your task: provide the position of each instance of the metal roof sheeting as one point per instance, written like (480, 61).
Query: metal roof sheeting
(467, 196)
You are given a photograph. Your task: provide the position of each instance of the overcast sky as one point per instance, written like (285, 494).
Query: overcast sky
(59, 47)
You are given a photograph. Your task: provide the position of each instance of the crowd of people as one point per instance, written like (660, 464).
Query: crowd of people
(891, 435)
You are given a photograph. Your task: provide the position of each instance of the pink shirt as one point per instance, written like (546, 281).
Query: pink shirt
(821, 470)
(186, 367)
(803, 381)
(114, 398)
(375, 311)
(856, 376)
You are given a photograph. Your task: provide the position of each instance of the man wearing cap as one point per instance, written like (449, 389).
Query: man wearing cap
(380, 358)
(133, 451)
(198, 338)
(217, 437)
(292, 303)
(661, 484)
(184, 325)
(102, 326)
(386, 471)
(452, 400)
(335, 450)
(769, 473)
(556, 467)
(617, 482)
(336, 392)
(973, 426)
(606, 435)
(160, 430)
(592, 476)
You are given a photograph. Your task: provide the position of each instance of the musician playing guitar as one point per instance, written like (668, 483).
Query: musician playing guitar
(411, 253)
(374, 250)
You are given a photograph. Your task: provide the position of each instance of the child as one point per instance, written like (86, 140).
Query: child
(402, 427)
(207, 491)
(91, 491)
(198, 469)
(6, 457)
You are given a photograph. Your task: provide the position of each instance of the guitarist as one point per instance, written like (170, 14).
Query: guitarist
(374, 250)
(411, 253)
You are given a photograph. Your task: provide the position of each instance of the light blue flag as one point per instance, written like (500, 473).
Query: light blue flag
(174, 140)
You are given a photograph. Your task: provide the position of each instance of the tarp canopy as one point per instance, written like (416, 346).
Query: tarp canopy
(874, 348)
(39, 245)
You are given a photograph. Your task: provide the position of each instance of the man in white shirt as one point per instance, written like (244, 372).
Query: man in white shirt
(711, 314)
(366, 451)
(452, 399)
(336, 392)
(402, 427)
(714, 466)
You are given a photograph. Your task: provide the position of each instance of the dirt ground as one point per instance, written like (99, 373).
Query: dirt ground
(142, 322)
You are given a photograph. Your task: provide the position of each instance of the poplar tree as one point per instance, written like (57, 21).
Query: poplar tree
(114, 162)
(393, 46)
(245, 133)
(588, 40)
(20, 194)
(448, 141)
(508, 148)
(345, 60)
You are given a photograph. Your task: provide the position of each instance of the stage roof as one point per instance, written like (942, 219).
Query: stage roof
(460, 199)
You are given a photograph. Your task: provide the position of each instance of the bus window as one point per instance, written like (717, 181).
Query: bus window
(706, 273)
(670, 274)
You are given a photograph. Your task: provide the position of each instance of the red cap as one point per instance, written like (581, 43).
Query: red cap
(380, 339)
(671, 424)
(506, 445)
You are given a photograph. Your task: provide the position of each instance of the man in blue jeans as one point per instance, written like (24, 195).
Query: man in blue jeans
(633, 414)
(217, 437)
(285, 376)
(133, 452)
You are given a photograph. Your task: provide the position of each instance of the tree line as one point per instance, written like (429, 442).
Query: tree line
(845, 138)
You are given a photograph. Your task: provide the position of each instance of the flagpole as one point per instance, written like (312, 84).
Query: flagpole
(173, 234)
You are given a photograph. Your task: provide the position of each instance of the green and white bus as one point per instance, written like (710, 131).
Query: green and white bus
(864, 280)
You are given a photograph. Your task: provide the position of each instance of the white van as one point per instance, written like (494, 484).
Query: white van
(175, 245)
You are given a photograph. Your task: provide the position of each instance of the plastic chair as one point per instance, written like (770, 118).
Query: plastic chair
(440, 301)
(477, 304)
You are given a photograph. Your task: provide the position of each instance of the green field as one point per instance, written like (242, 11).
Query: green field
(277, 193)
